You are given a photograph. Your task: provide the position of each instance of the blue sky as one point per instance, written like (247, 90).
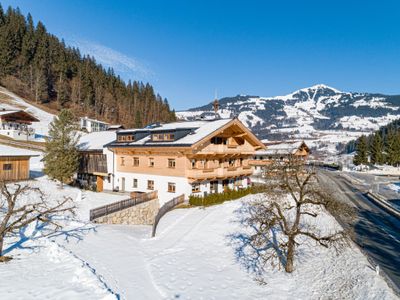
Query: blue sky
(189, 49)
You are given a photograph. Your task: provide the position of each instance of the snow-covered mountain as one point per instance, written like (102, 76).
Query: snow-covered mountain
(308, 113)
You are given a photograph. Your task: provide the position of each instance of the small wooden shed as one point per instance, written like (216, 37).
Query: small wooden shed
(14, 163)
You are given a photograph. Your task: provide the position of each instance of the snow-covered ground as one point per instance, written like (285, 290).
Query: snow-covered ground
(190, 258)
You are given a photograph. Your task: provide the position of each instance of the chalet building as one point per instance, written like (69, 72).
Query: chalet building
(93, 170)
(14, 163)
(92, 125)
(16, 124)
(280, 152)
(198, 157)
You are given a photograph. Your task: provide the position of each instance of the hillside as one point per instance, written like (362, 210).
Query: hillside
(39, 67)
(323, 115)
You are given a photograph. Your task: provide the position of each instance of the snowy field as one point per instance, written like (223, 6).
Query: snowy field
(190, 258)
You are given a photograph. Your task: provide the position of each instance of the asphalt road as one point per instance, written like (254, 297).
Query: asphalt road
(379, 184)
(376, 231)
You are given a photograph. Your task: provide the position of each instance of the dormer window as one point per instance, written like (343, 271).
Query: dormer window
(125, 138)
(163, 137)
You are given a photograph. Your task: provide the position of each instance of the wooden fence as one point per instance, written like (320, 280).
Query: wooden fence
(120, 205)
(166, 208)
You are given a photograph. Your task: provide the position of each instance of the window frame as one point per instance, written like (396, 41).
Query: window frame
(150, 185)
(171, 163)
(151, 162)
(135, 183)
(171, 187)
(8, 167)
(135, 161)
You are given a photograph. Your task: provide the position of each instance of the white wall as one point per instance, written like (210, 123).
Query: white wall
(182, 185)
(18, 135)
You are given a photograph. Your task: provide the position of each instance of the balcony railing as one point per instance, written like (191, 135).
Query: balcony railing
(219, 173)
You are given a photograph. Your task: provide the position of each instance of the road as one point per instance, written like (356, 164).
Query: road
(379, 184)
(376, 231)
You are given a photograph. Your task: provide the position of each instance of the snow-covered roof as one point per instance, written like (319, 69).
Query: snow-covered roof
(22, 114)
(7, 112)
(201, 129)
(198, 131)
(96, 140)
(94, 120)
(12, 151)
(281, 148)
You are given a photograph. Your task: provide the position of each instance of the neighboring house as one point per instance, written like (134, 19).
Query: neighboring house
(14, 163)
(115, 127)
(15, 124)
(198, 157)
(93, 170)
(92, 125)
(278, 151)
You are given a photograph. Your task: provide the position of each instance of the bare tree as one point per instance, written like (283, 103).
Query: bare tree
(280, 221)
(21, 205)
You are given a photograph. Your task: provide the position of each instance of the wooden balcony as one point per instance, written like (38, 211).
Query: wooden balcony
(259, 162)
(218, 173)
(225, 150)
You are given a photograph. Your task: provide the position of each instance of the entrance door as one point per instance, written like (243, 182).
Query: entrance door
(99, 183)
(213, 186)
(122, 184)
(225, 184)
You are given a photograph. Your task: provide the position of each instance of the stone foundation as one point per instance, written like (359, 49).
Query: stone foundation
(141, 214)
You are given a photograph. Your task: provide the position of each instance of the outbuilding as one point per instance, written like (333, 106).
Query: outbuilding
(14, 163)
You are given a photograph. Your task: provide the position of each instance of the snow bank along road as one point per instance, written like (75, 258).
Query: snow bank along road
(377, 232)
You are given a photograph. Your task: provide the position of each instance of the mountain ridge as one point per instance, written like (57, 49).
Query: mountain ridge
(307, 113)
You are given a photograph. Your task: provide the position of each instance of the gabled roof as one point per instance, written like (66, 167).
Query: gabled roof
(18, 114)
(195, 132)
(95, 140)
(285, 148)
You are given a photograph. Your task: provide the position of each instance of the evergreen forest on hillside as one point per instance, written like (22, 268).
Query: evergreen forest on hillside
(381, 147)
(38, 66)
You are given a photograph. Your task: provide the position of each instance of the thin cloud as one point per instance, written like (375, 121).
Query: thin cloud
(127, 67)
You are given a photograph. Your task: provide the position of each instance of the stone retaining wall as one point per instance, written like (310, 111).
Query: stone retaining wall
(141, 214)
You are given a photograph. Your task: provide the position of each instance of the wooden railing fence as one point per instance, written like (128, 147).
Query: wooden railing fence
(120, 205)
(166, 208)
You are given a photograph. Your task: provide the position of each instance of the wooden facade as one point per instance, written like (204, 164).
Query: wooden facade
(14, 168)
(92, 169)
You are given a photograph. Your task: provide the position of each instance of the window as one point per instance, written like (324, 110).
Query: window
(158, 137)
(163, 136)
(135, 183)
(218, 140)
(171, 187)
(169, 137)
(151, 162)
(125, 138)
(171, 163)
(193, 164)
(196, 188)
(7, 167)
(122, 161)
(150, 184)
(136, 161)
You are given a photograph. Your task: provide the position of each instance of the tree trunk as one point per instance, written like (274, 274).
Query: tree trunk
(1, 245)
(290, 256)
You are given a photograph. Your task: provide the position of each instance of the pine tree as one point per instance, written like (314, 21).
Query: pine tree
(393, 147)
(361, 156)
(61, 155)
(42, 68)
(376, 152)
